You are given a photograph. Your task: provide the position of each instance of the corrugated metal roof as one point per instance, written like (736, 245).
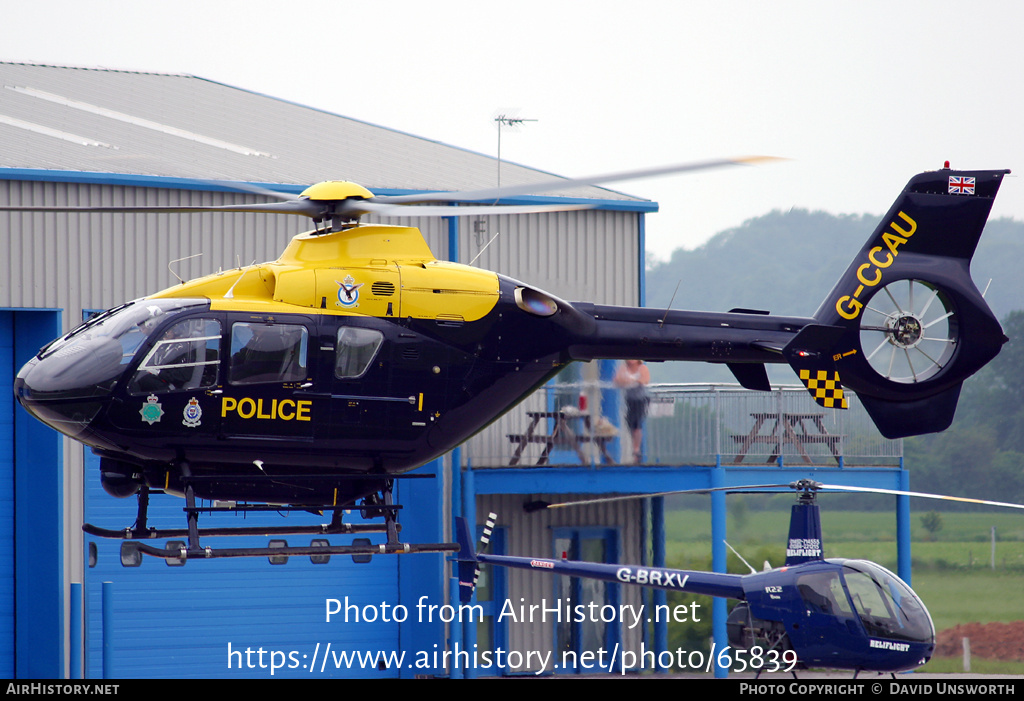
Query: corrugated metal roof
(105, 121)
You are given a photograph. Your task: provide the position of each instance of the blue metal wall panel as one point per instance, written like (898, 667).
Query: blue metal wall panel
(31, 576)
(6, 495)
(38, 518)
(180, 621)
(422, 575)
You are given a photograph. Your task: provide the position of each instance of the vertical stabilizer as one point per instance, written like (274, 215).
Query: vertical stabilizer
(905, 324)
(804, 543)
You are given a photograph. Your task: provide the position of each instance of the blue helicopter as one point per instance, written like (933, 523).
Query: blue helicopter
(811, 612)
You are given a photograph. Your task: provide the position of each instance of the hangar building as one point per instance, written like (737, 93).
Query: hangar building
(83, 136)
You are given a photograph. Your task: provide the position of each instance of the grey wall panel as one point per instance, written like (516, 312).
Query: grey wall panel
(532, 534)
(93, 261)
(587, 256)
(590, 256)
(96, 261)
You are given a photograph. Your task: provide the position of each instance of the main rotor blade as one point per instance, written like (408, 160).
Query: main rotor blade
(707, 490)
(304, 207)
(252, 189)
(923, 495)
(398, 205)
(353, 208)
(415, 210)
(565, 183)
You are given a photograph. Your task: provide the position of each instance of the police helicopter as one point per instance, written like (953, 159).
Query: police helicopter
(314, 381)
(810, 612)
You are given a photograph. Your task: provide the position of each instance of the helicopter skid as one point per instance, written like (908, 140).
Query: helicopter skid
(176, 553)
(153, 533)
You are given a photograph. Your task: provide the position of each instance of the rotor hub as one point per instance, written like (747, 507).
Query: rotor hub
(334, 190)
(904, 330)
(808, 488)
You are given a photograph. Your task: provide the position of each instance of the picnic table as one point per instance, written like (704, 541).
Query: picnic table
(798, 429)
(558, 431)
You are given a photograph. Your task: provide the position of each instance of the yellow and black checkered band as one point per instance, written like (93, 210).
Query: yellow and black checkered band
(825, 387)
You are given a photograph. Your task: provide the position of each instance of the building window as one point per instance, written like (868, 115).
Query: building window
(573, 638)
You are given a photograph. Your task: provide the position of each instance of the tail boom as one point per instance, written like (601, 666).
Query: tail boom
(903, 327)
(696, 582)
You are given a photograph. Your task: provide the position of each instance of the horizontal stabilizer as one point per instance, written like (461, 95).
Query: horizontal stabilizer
(751, 376)
(814, 339)
(741, 310)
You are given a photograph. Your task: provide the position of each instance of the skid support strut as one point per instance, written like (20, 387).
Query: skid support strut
(378, 505)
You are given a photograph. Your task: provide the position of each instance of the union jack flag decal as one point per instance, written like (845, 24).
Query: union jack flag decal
(959, 185)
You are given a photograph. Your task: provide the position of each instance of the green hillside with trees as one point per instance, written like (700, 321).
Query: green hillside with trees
(786, 262)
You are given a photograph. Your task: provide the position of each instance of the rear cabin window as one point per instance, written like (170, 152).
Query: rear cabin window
(267, 353)
(357, 348)
(822, 592)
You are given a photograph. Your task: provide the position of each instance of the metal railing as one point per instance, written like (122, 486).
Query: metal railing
(686, 425)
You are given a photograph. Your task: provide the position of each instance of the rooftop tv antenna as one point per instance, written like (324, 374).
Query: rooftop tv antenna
(507, 120)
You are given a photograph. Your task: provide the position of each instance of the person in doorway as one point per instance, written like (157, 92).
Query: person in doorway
(633, 377)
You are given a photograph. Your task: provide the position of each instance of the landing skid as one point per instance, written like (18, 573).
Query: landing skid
(154, 534)
(176, 553)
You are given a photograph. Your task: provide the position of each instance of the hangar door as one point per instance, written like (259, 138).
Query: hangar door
(31, 579)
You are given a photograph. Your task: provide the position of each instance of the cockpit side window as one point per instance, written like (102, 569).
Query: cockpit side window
(185, 357)
(822, 592)
(887, 607)
(357, 348)
(267, 353)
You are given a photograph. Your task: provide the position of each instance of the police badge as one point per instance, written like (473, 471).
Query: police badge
(151, 410)
(192, 413)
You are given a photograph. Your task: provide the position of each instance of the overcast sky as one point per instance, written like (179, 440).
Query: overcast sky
(861, 96)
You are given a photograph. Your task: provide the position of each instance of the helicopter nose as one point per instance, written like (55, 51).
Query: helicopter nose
(70, 417)
(66, 389)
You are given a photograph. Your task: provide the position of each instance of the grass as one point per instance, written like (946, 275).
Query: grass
(691, 525)
(980, 595)
(962, 543)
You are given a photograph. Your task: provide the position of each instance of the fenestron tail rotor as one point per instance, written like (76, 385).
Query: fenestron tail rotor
(909, 331)
(905, 325)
